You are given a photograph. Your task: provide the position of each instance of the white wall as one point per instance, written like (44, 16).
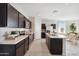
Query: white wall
(37, 27)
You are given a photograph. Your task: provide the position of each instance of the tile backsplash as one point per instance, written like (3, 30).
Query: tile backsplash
(5, 29)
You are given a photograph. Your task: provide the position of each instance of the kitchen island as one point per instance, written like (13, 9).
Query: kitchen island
(56, 44)
(16, 47)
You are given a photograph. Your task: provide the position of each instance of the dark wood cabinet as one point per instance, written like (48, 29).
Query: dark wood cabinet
(21, 21)
(20, 43)
(8, 16)
(55, 45)
(3, 17)
(7, 50)
(43, 26)
(31, 38)
(43, 30)
(28, 23)
(12, 17)
(18, 49)
(22, 47)
(26, 44)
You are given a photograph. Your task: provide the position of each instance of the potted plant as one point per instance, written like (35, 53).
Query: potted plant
(73, 28)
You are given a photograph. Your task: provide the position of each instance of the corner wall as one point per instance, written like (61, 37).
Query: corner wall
(37, 27)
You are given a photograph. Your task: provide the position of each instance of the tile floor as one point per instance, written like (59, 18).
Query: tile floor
(38, 48)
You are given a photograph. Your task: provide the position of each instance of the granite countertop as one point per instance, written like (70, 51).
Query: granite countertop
(56, 36)
(17, 39)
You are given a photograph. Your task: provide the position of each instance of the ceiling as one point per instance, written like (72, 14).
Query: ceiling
(50, 11)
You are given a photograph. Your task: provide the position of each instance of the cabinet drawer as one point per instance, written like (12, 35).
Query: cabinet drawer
(20, 43)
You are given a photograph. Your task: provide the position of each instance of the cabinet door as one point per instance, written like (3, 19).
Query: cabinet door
(30, 38)
(43, 26)
(3, 14)
(12, 17)
(56, 46)
(20, 50)
(27, 23)
(48, 42)
(26, 44)
(7, 50)
(21, 21)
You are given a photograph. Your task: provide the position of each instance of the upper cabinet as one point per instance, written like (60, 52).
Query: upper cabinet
(54, 26)
(21, 21)
(28, 23)
(10, 17)
(3, 13)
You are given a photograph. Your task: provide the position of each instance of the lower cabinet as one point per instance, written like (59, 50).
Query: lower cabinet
(7, 50)
(31, 38)
(26, 47)
(55, 45)
(18, 49)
